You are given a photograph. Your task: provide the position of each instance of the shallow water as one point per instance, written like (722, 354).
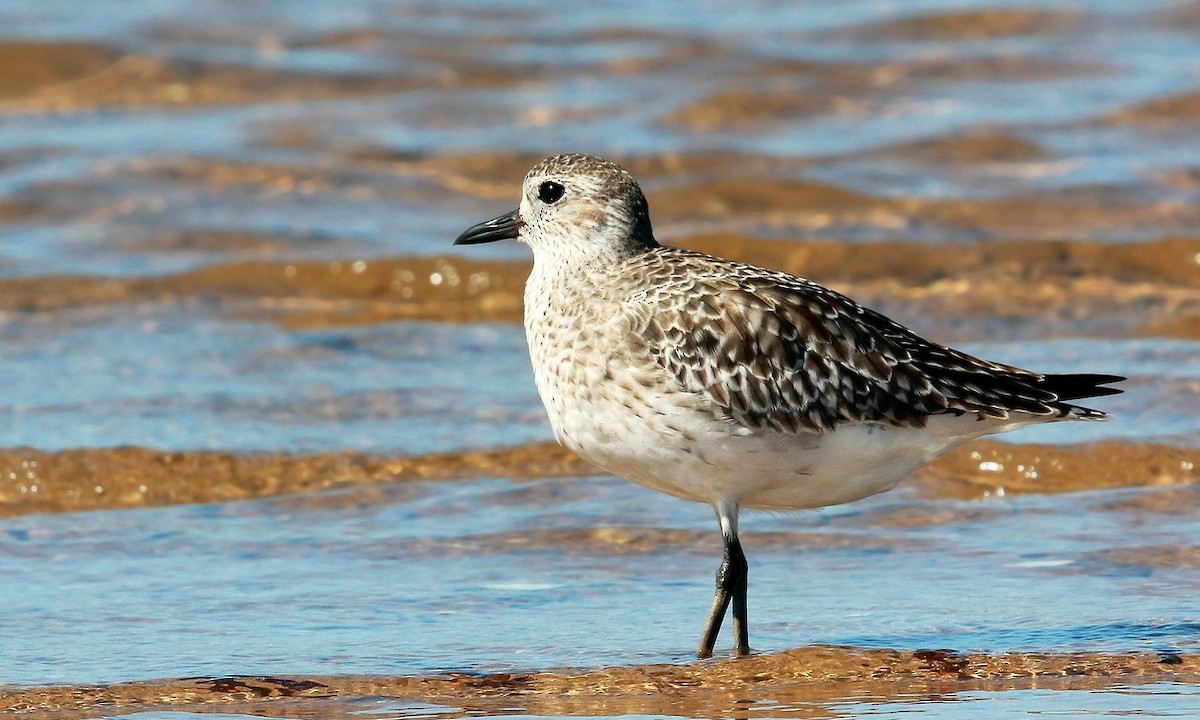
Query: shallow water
(226, 228)
(183, 380)
(487, 576)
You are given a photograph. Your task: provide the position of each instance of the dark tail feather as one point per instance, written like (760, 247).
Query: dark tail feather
(1084, 385)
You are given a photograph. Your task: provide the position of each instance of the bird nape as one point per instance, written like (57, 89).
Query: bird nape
(733, 385)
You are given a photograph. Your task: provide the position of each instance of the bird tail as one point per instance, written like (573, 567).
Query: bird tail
(1077, 386)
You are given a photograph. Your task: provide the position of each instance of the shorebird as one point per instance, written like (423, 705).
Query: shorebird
(732, 385)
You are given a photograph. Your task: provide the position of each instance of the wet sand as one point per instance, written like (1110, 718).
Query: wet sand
(799, 683)
(33, 481)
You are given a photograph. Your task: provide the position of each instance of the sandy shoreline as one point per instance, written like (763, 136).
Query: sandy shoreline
(802, 680)
(35, 481)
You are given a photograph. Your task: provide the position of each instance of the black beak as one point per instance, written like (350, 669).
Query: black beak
(505, 227)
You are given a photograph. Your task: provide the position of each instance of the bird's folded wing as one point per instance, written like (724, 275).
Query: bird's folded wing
(773, 351)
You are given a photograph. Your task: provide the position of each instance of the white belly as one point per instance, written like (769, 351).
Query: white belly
(671, 447)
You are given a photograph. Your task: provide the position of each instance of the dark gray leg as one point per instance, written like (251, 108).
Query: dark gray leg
(731, 587)
(739, 570)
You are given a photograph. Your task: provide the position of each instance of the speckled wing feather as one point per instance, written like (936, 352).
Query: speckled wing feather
(774, 351)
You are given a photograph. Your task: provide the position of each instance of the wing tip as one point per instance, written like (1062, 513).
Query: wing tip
(1078, 386)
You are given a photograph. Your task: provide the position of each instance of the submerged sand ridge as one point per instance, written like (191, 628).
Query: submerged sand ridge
(34, 481)
(90, 479)
(1147, 288)
(74, 77)
(799, 682)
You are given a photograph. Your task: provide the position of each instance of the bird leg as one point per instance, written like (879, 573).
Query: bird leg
(732, 579)
(740, 570)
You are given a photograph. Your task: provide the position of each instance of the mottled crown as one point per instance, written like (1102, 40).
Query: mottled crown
(606, 176)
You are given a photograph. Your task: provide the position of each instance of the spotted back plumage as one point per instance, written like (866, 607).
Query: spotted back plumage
(773, 351)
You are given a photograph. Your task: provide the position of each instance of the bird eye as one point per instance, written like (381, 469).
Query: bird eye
(550, 192)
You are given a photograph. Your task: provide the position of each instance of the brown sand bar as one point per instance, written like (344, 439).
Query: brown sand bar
(980, 24)
(790, 91)
(1182, 110)
(43, 77)
(64, 77)
(92, 479)
(799, 683)
(1154, 286)
(35, 481)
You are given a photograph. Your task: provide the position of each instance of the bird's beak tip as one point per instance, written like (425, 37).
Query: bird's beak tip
(505, 227)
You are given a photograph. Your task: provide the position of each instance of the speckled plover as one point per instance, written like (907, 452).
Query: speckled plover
(728, 384)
